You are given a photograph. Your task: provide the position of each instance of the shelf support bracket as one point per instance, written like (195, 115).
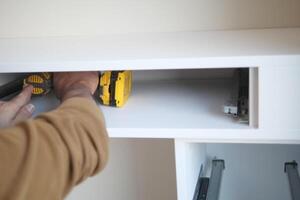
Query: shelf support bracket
(215, 179)
(291, 168)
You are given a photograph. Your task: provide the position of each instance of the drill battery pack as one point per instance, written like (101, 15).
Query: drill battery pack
(114, 87)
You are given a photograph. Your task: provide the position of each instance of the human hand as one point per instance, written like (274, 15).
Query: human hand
(16, 110)
(71, 84)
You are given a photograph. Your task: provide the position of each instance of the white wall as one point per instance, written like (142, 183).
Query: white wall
(92, 17)
(138, 170)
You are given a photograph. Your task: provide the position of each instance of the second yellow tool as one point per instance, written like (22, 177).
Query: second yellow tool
(115, 87)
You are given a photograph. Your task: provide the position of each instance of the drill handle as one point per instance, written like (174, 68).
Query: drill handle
(11, 87)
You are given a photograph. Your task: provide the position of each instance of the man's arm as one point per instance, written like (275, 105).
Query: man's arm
(45, 157)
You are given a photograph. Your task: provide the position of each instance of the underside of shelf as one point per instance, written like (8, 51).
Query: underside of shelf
(151, 51)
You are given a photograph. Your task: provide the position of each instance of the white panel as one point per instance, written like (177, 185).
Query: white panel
(287, 98)
(137, 169)
(189, 158)
(91, 17)
(179, 50)
(253, 97)
(279, 98)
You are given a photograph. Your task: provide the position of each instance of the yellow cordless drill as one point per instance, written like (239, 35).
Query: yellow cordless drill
(114, 86)
(41, 82)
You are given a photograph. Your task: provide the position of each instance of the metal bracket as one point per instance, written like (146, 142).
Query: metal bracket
(291, 168)
(215, 179)
(209, 188)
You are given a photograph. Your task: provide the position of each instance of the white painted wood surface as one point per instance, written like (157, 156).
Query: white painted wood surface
(189, 159)
(175, 104)
(239, 48)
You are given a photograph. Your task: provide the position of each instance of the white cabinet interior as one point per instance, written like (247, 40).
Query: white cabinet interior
(176, 99)
(252, 171)
(169, 104)
(166, 100)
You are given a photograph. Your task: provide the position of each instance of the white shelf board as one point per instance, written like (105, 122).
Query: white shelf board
(167, 105)
(236, 48)
(186, 109)
(188, 104)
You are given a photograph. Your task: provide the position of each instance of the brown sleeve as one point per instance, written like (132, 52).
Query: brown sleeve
(45, 157)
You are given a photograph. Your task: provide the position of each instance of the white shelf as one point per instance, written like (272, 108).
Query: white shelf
(176, 104)
(186, 109)
(156, 108)
(152, 51)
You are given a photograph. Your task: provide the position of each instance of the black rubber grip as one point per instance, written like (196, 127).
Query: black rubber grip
(11, 87)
